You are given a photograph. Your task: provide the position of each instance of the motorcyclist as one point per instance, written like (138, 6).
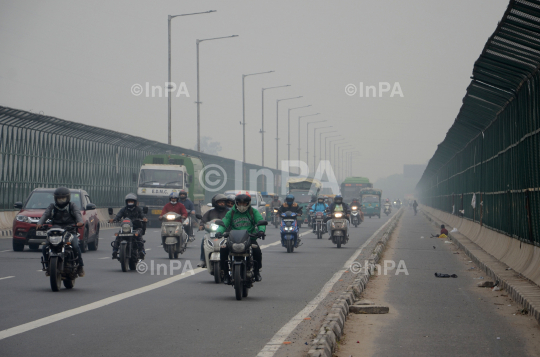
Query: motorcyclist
(319, 206)
(135, 214)
(338, 206)
(230, 201)
(65, 214)
(290, 205)
(190, 207)
(276, 203)
(220, 210)
(415, 206)
(242, 217)
(387, 205)
(173, 206)
(356, 203)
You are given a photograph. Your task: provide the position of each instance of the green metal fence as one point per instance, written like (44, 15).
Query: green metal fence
(42, 151)
(492, 150)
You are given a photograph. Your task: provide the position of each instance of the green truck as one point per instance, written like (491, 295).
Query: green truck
(351, 186)
(371, 201)
(162, 174)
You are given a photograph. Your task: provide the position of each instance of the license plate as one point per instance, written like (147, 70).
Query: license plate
(212, 234)
(156, 211)
(125, 234)
(41, 233)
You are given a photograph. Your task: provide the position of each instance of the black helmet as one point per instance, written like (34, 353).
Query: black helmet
(183, 194)
(62, 197)
(338, 199)
(131, 197)
(320, 199)
(243, 198)
(217, 198)
(289, 199)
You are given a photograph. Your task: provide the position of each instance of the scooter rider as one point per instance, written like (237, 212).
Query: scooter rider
(133, 212)
(220, 210)
(63, 213)
(242, 217)
(276, 203)
(338, 206)
(190, 207)
(320, 206)
(230, 201)
(173, 206)
(290, 205)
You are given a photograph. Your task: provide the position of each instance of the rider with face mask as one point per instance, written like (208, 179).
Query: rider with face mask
(135, 214)
(173, 206)
(220, 210)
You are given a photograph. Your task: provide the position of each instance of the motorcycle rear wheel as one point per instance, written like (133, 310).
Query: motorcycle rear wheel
(55, 275)
(238, 282)
(339, 242)
(171, 251)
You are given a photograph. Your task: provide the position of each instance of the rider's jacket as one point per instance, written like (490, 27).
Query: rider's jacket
(188, 204)
(294, 208)
(319, 207)
(70, 214)
(235, 220)
(339, 208)
(213, 214)
(132, 213)
(177, 208)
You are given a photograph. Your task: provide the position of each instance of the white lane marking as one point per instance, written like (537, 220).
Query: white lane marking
(9, 250)
(40, 270)
(7, 277)
(104, 258)
(149, 249)
(277, 341)
(100, 303)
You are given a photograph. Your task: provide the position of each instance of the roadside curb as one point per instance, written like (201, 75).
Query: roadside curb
(522, 291)
(331, 331)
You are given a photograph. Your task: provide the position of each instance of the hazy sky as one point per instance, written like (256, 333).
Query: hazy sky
(78, 61)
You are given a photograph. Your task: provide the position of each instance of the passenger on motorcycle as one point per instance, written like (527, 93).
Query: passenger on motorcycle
(242, 217)
(190, 207)
(63, 213)
(230, 201)
(134, 213)
(338, 206)
(220, 210)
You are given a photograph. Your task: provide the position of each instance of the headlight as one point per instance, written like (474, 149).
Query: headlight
(126, 228)
(275, 210)
(55, 240)
(338, 215)
(171, 217)
(214, 227)
(238, 247)
(354, 208)
(22, 218)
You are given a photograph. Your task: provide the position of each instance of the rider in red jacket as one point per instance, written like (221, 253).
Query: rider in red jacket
(174, 206)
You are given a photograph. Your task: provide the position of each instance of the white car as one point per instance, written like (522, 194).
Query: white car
(256, 200)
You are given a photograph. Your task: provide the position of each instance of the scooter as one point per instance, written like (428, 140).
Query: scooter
(356, 219)
(212, 250)
(338, 229)
(387, 209)
(173, 235)
(289, 231)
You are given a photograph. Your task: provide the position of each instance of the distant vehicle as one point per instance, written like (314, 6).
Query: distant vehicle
(24, 224)
(351, 186)
(160, 175)
(371, 201)
(303, 189)
(257, 201)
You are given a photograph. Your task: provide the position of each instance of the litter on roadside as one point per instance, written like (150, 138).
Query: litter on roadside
(447, 242)
(480, 277)
(441, 275)
(454, 230)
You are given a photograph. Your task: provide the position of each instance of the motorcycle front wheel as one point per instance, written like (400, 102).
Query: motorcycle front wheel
(55, 275)
(171, 251)
(238, 284)
(217, 273)
(124, 260)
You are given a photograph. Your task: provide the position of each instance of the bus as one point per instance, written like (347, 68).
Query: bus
(351, 186)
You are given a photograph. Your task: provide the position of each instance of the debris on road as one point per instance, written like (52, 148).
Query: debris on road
(441, 275)
(368, 309)
(486, 284)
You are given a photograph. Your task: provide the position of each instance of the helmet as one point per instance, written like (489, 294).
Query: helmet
(62, 197)
(320, 199)
(174, 195)
(313, 198)
(289, 199)
(276, 197)
(131, 197)
(338, 199)
(242, 198)
(231, 198)
(183, 194)
(217, 198)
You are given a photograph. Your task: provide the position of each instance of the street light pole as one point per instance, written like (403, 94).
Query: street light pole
(307, 139)
(326, 144)
(170, 17)
(262, 116)
(320, 143)
(299, 119)
(339, 161)
(277, 128)
(244, 112)
(289, 130)
(198, 98)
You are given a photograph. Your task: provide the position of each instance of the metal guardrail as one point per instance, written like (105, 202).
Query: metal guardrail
(492, 150)
(43, 151)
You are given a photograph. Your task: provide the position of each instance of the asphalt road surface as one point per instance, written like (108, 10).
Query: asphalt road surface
(143, 314)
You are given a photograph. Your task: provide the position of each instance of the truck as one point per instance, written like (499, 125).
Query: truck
(351, 186)
(162, 174)
(371, 201)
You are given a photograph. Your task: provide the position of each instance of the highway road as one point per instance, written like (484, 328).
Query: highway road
(111, 313)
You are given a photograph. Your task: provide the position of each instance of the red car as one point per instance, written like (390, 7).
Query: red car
(24, 224)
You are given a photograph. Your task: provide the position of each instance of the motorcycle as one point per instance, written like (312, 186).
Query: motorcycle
(212, 250)
(275, 217)
(62, 259)
(387, 209)
(355, 216)
(338, 229)
(173, 235)
(289, 231)
(240, 258)
(129, 252)
(319, 227)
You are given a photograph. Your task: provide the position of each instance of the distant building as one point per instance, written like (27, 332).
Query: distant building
(413, 171)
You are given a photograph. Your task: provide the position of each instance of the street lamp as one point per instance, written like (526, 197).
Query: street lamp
(326, 143)
(320, 143)
(277, 128)
(169, 82)
(339, 162)
(299, 118)
(307, 139)
(198, 100)
(244, 112)
(262, 126)
(289, 130)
